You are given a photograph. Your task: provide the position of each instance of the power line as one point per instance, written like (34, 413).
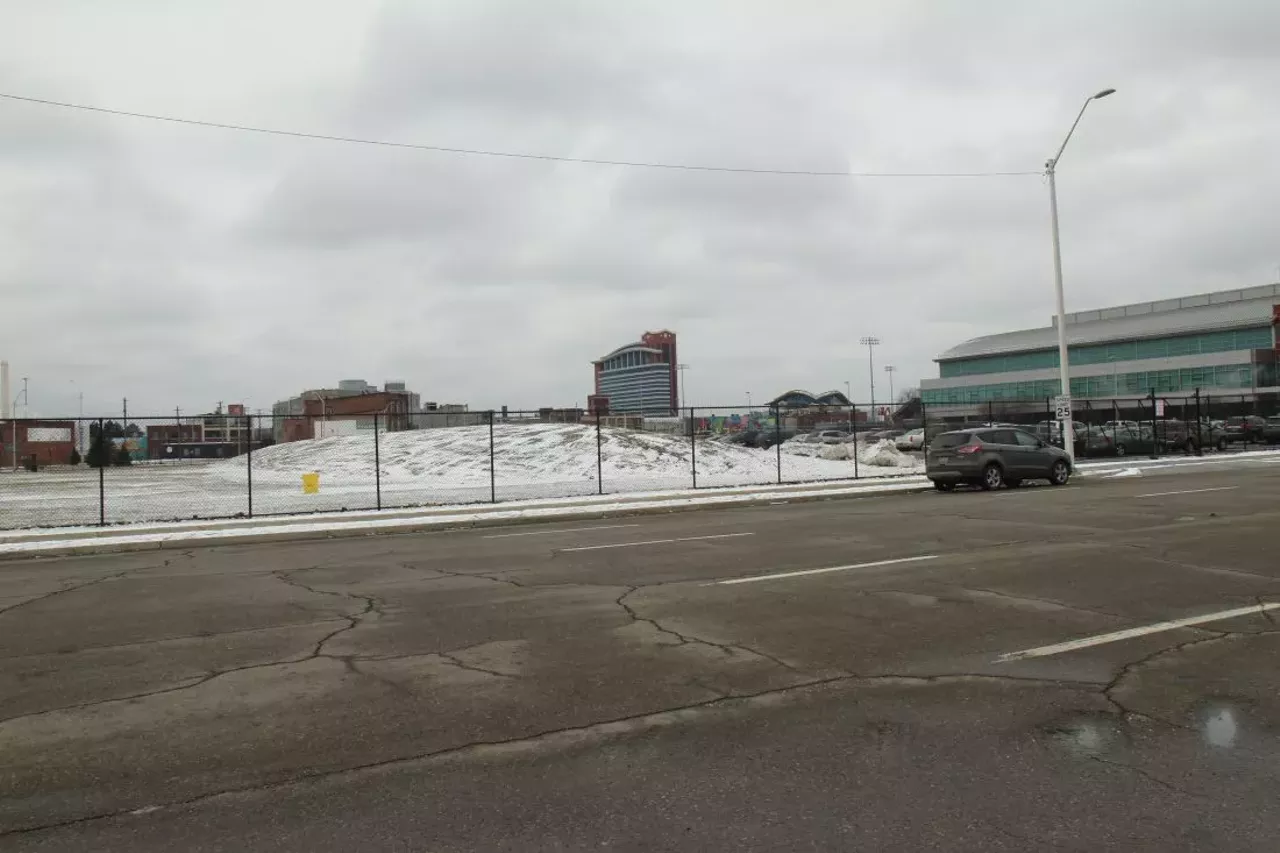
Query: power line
(514, 155)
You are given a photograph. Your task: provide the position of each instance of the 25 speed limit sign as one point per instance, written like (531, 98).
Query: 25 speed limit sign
(1062, 405)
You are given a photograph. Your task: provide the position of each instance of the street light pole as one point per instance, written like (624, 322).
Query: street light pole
(889, 369)
(871, 343)
(1064, 367)
(684, 401)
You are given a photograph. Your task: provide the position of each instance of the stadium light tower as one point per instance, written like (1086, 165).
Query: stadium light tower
(871, 343)
(1064, 370)
(889, 369)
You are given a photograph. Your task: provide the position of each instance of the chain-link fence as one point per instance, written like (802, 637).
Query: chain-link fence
(97, 471)
(1153, 425)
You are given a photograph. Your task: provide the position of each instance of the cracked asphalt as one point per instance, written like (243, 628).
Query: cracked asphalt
(492, 690)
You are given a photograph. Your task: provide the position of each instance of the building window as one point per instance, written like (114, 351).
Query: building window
(1168, 347)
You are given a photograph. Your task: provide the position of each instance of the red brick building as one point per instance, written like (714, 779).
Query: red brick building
(51, 442)
(391, 407)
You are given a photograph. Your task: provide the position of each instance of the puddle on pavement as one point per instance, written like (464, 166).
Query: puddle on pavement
(1086, 736)
(1219, 728)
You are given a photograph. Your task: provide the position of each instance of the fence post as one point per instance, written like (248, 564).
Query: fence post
(1199, 427)
(377, 461)
(1049, 420)
(777, 437)
(493, 476)
(599, 458)
(249, 462)
(853, 428)
(693, 449)
(102, 474)
(1155, 436)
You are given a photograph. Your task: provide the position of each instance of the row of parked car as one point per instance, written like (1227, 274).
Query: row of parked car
(996, 455)
(1113, 438)
(1167, 435)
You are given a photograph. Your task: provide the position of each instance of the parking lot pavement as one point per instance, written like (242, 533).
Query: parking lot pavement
(1091, 667)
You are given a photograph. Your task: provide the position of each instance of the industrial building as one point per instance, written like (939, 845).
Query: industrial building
(352, 400)
(638, 377)
(1221, 343)
(41, 441)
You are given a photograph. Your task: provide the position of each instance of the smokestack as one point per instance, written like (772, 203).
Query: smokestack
(6, 393)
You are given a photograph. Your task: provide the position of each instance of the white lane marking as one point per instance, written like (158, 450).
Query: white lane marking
(1130, 633)
(656, 542)
(561, 530)
(803, 572)
(1187, 492)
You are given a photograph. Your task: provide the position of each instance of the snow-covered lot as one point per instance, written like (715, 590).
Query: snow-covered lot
(422, 467)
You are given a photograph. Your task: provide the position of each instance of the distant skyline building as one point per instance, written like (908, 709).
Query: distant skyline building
(641, 376)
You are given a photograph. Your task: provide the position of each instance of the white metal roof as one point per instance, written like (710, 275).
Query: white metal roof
(1208, 312)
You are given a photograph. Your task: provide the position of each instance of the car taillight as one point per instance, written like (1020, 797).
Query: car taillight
(969, 448)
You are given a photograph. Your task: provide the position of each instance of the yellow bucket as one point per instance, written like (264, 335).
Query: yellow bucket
(311, 484)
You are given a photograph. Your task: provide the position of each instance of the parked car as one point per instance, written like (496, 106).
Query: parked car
(1088, 440)
(1112, 426)
(913, 440)
(1244, 428)
(992, 458)
(1129, 440)
(832, 436)
(1271, 430)
(1212, 433)
(1093, 441)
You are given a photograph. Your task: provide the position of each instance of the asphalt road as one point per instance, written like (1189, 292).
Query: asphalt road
(648, 684)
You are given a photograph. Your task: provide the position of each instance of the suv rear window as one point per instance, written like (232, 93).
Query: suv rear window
(951, 439)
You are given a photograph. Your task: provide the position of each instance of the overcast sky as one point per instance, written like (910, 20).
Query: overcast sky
(180, 266)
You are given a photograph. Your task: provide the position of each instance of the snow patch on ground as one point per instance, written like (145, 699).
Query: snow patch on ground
(546, 453)
(876, 454)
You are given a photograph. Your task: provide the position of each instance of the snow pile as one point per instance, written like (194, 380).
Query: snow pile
(538, 453)
(876, 454)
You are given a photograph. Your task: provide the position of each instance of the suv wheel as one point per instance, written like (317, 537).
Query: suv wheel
(942, 486)
(992, 477)
(1059, 473)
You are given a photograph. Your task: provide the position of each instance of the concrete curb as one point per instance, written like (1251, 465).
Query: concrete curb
(187, 540)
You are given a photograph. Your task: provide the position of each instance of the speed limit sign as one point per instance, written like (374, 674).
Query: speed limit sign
(1062, 405)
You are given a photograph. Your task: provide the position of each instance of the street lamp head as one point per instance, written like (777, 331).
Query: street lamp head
(1103, 94)
(870, 341)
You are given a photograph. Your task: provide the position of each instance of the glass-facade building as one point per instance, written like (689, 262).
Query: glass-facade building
(1219, 343)
(640, 377)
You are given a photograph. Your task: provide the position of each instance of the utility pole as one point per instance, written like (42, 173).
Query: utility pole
(125, 406)
(871, 343)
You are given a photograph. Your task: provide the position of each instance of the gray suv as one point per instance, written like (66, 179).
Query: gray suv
(993, 457)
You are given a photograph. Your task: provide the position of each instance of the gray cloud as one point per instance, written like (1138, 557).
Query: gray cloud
(180, 266)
